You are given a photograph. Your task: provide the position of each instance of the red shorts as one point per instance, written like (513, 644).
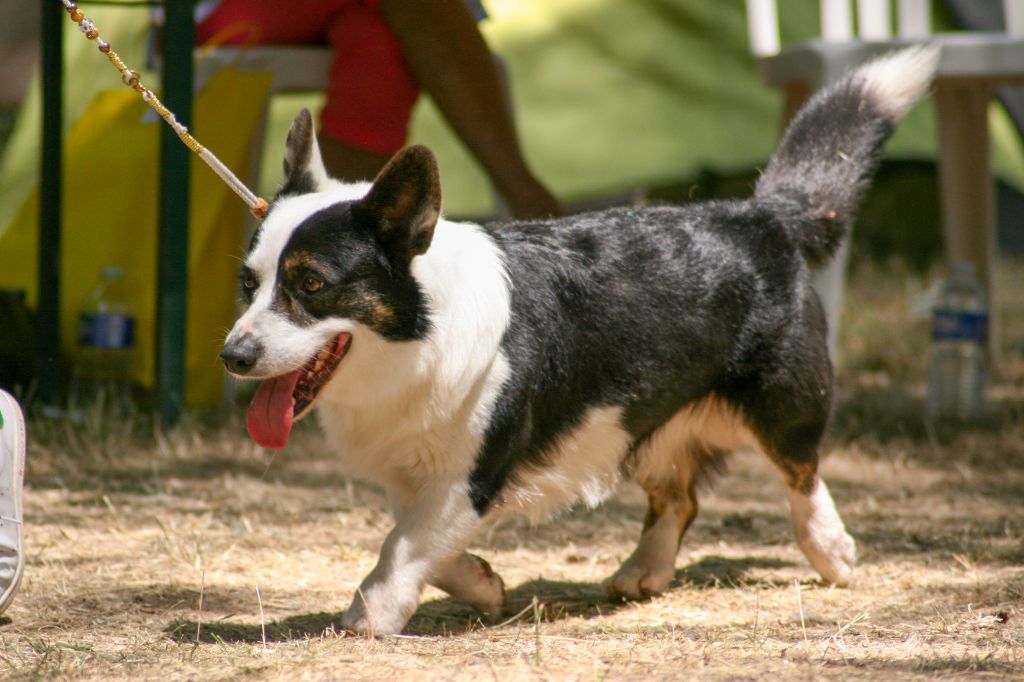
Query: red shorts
(371, 92)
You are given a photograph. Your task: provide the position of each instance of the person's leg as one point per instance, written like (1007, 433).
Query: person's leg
(271, 22)
(370, 96)
(451, 62)
(383, 55)
(12, 473)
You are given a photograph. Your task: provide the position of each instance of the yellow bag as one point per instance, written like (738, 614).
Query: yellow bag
(110, 218)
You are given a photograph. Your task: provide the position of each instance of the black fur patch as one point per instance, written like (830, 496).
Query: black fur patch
(342, 251)
(817, 176)
(653, 310)
(405, 203)
(656, 310)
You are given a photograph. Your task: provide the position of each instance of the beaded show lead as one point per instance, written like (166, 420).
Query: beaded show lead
(257, 205)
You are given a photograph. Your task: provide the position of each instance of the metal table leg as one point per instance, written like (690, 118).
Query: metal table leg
(172, 266)
(47, 327)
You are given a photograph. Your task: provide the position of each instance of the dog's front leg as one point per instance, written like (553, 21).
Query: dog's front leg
(439, 523)
(464, 576)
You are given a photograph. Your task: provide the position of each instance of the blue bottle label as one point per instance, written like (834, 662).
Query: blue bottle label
(958, 325)
(102, 330)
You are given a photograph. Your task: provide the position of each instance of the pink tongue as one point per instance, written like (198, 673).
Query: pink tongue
(271, 412)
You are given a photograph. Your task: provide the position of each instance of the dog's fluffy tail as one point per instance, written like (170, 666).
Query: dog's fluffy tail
(817, 177)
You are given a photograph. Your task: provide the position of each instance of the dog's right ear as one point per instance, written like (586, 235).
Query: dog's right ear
(304, 170)
(405, 202)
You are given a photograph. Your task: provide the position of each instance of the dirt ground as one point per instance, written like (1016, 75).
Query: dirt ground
(194, 554)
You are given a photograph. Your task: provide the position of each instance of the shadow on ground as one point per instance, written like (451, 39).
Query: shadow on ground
(546, 600)
(160, 598)
(993, 540)
(976, 665)
(715, 572)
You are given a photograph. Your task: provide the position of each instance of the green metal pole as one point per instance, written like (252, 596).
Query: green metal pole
(47, 329)
(172, 266)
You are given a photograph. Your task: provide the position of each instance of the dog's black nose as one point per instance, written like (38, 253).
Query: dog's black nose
(240, 356)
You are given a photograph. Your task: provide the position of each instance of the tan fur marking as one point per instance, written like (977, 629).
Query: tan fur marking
(801, 476)
(674, 452)
(367, 309)
(668, 465)
(297, 260)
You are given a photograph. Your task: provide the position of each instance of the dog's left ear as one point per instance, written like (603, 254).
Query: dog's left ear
(405, 202)
(304, 170)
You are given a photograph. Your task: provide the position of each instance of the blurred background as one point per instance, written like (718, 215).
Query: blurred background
(616, 101)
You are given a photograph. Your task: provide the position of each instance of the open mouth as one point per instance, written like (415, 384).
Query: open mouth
(281, 401)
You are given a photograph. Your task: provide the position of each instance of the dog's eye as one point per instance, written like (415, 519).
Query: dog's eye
(312, 284)
(249, 282)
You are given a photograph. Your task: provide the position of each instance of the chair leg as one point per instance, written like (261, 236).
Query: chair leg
(795, 95)
(830, 283)
(965, 179)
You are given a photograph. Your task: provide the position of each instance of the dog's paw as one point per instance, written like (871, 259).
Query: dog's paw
(635, 581)
(833, 556)
(486, 593)
(821, 535)
(471, 579)
(381, 617)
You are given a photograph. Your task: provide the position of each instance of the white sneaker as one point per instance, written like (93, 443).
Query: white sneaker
(12, 474)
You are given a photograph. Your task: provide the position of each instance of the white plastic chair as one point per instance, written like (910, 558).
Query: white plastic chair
(970, 65)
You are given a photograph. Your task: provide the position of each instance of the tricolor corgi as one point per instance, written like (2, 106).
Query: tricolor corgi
(526, 366)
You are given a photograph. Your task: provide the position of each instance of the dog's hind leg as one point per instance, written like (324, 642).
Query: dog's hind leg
(669, 466)
(820, 532)
(789, 420)
(650, 568)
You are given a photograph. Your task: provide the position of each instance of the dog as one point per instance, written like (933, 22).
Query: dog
(524, 367)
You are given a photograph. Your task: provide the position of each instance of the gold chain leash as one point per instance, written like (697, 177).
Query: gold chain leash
(257, 205)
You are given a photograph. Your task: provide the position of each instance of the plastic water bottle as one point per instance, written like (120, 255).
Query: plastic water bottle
(102, 374)
(956, 366)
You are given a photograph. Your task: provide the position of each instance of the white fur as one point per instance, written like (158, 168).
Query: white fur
(470, 579)
(898, 79)
(821, 534)
(464, 576)
(416, 411)
(439, 524)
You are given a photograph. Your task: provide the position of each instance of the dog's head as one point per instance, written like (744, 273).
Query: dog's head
(328, 269)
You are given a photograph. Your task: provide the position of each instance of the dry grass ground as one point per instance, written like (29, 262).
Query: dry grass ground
(195, 555)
